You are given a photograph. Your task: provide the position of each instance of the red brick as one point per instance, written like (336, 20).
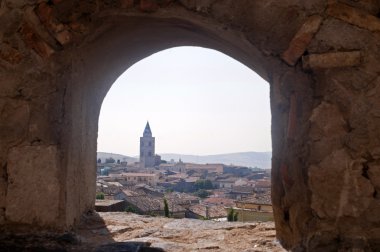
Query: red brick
(301, 40)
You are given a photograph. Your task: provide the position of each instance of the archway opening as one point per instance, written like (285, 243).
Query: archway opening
(200, 103)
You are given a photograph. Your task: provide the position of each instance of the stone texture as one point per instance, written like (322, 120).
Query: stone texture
(29, 200)
(10, 54)
(301, 40)
(331, 60)
(333, 193)
(327, 131)
(181, 234)
(14, 113)
(58, 59)
(129, 232)
(354, 16)
(148, 5)
(34, 41)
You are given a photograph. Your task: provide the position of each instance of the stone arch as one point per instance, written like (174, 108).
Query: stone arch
(58, 59)
(115, 49)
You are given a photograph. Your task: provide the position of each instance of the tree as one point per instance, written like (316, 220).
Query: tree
(100, 196)
(131, 209)
(99, 161)
(202, 193)
(208, 184)
(118, 161)
(235, 216)
(232, 215)
(166, 208)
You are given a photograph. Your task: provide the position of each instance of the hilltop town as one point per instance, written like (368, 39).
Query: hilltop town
(187, 190)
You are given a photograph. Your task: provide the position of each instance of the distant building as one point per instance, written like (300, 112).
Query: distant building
(134, 178)
(209, 168)
(147, 154)
(258, 208)
(174, 167)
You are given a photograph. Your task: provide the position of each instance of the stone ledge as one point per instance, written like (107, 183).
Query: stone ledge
(331, 60)
(354, 16)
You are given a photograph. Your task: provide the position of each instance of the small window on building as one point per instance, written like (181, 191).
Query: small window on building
(150, 143)
(149, 154)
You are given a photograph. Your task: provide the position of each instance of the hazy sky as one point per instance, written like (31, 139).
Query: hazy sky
(197, 101)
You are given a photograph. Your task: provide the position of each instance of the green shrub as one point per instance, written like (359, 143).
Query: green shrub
(130, 209)
(232, 215)
(100, 196)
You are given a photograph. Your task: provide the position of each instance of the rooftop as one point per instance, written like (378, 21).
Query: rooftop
(106, 202)
(138, 174)
(264, 199)
(213, 211)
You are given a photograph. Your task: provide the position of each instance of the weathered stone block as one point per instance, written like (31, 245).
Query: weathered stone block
(126, 3)
(331, 60)
(371, 6)
(33, 185)
(35, 42)
(326, 121)
(149, 5)
(354, 16)
(63, 37)
(13, 113)
(374, 176)
(10, 54)
(301, 40)
(338, 187)
(327, 131)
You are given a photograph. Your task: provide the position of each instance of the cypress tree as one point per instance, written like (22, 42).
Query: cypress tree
(166, 208)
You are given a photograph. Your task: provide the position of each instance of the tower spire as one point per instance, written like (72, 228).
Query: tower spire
(147, 131)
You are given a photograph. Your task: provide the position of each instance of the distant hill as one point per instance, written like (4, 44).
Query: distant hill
(250, 159)
(104, 155)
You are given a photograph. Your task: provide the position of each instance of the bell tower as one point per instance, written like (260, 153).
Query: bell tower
(147, 143)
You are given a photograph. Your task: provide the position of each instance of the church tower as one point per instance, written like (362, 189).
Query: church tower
(147, 155)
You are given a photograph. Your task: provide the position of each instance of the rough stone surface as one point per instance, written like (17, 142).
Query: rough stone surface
(108, 232)
(38, 203)
(331, 60)
(354, 16)
(58, 59)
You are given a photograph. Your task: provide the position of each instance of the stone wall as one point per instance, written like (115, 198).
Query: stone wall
(59, 58)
